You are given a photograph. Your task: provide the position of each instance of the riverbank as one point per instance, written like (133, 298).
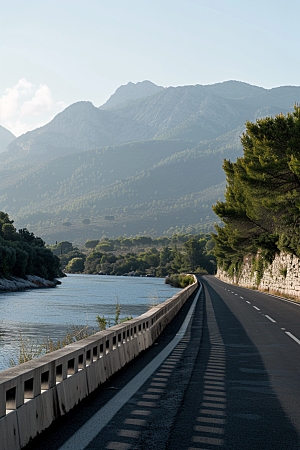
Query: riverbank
(20, 284)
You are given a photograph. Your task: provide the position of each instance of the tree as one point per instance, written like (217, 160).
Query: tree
(262, 207)
(194, 257)
(92, 243)
(165, 256)
(75, 265)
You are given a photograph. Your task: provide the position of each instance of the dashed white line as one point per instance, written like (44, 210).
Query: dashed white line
(242, 298)
(256, 308)
(270, 318)
(248, 302)
(293, 337)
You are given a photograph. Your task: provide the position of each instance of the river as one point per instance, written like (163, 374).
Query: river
(40, 313)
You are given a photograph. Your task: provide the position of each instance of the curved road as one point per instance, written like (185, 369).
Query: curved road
(232, 382)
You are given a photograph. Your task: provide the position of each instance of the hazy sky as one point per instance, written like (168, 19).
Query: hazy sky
(55, 53)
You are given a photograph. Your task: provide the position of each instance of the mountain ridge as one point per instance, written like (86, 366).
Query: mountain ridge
(150, 165)
(193, 113)
(131, 91)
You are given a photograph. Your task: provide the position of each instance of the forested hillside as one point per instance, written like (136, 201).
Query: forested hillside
(146, 166)
(261, 211)
(193, 113)
(151, 187)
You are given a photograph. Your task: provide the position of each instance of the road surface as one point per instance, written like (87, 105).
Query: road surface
(231, 382)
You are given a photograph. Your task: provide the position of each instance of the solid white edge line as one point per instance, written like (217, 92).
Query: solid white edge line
(82, 438)
(256, 290)
(270, 318)
(293, 337)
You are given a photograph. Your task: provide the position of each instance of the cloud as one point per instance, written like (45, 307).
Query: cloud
(25, 107)
(42, 101)
(9, 101)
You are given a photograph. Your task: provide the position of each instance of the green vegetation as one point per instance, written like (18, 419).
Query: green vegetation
(140, 255)
(147, 167)
(22, 253)
(262, 208)
(180, 280)
(33, 348)
(153, 187)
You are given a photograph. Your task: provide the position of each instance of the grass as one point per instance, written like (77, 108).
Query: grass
(33, 348)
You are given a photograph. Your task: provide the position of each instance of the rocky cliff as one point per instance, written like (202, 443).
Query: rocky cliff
(131, 91)
(281, 277)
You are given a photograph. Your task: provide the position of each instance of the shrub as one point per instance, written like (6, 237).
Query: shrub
(180, 280)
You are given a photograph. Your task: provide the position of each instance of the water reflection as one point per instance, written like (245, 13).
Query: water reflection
(50, 312)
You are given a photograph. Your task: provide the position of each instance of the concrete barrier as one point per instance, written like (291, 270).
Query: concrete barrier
(34, 394)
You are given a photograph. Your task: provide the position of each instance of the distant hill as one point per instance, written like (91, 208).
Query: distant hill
(131, 91)
(150, 187)
(6, 137)
(191, 113)
(151, 165)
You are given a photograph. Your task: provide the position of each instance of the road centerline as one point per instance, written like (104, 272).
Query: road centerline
(293, 337)
(270, 318)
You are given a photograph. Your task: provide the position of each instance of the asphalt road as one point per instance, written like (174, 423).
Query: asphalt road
(232, 382)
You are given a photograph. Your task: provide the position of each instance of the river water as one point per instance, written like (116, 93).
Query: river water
(41, 313)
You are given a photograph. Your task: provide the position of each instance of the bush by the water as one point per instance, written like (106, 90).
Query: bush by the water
(179, 280)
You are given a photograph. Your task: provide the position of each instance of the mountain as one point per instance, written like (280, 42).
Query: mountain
(150, 187)
(131, 91)
(152, 165)
(191, 113)
(6, 137)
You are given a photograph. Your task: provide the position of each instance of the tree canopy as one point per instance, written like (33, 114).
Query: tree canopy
(22, 253)
(261, 211)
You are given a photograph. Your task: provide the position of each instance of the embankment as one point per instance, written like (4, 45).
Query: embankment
(281, 277)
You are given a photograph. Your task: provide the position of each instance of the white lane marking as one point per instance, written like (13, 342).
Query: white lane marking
(235, 294)
(293, 337)
(294, 302)
(256, 308)
(248, 302)
(242, 298)
(81, 439)
(283, 328)
(270, 318)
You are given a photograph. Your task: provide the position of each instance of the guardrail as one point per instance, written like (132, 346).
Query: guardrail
(34, 394)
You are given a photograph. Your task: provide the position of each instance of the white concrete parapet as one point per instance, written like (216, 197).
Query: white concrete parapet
(34, 394)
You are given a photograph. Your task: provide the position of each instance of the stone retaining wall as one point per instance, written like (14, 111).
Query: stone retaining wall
(280, 277)
(34, 394)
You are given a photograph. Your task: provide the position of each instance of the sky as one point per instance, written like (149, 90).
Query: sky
(53, 54)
